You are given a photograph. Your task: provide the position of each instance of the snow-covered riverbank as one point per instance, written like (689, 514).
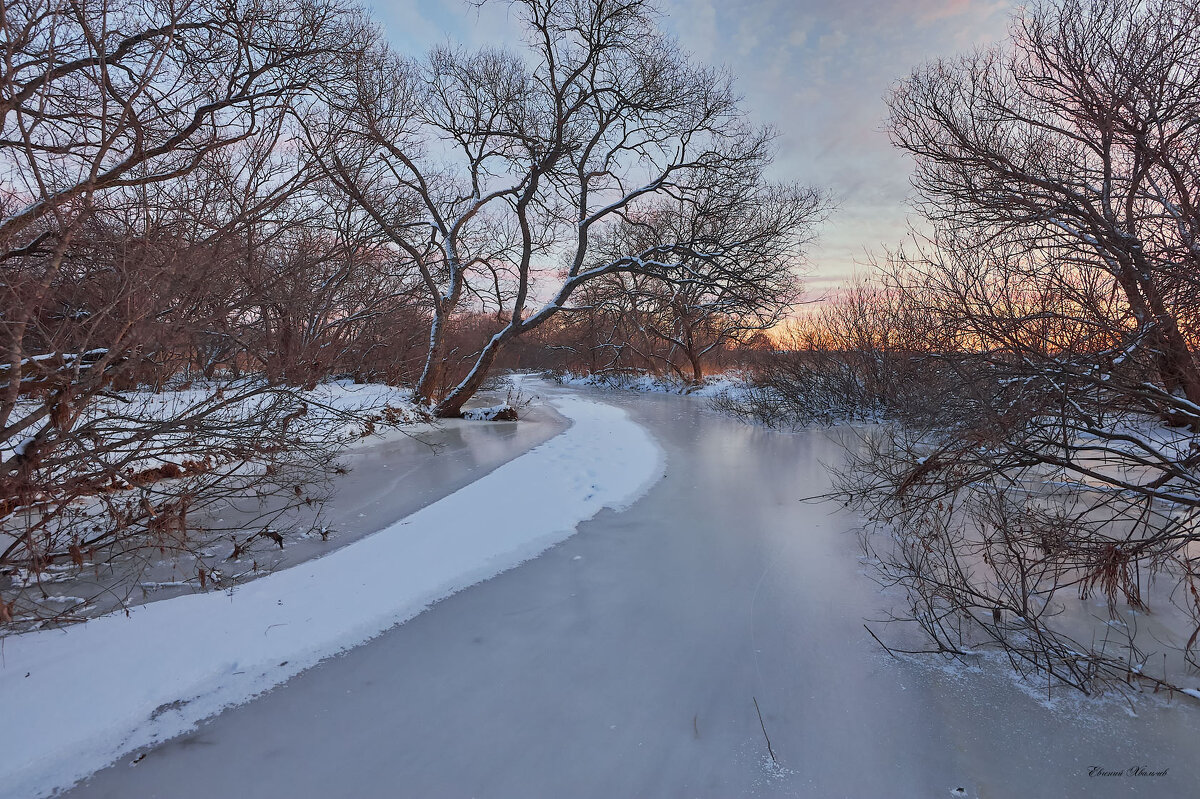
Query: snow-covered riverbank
(87, 694)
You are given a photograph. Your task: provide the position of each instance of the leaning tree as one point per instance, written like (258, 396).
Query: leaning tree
(1059, 174)
(501, 174)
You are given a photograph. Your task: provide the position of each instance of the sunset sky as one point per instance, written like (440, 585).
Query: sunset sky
(815, 69)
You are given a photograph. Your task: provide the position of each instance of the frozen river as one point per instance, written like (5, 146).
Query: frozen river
(626, 661)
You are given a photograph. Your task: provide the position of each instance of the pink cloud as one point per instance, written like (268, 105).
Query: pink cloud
(944, 9)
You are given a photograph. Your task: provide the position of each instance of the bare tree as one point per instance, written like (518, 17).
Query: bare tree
(104, 108)
(497, 174)
(145, 160)
(319, 289)
(1058, 174)
(1080, 139)
(750, 286)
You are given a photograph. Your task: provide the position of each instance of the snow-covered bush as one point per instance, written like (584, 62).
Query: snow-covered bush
(140, 477)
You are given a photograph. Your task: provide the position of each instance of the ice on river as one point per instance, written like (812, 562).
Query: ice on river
(628, 660)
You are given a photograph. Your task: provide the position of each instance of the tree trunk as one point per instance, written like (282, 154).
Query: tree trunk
(451, 405)
(431, 374)
(1176, 366)
(697, 370)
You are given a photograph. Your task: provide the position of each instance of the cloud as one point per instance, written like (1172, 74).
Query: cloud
(944, 9)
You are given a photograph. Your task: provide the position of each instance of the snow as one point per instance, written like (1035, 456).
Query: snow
(713, 386)
(337, 407)
(89, 693)
(489, 414)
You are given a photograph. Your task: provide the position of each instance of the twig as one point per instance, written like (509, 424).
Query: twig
(886, 648)
(770, 751)
(944, 650)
